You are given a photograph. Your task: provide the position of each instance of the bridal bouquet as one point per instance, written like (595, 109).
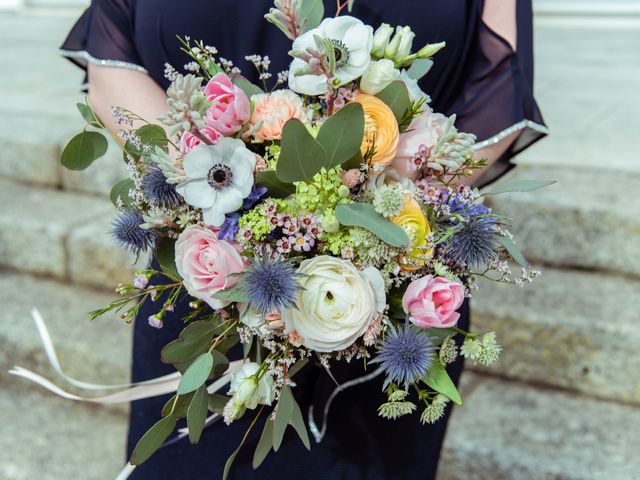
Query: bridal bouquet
(322, 215)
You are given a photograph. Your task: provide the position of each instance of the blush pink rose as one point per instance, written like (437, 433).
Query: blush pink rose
(272, 110)
(189, 141)
(205, 263)
(432, 302)
(424, 130)
(230, 109)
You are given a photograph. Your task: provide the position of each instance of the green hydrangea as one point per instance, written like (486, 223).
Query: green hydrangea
(334, 242)
(322, 192)
(271, 155)
(256, 221)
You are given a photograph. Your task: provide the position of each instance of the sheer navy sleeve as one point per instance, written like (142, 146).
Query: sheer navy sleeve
(104, 35)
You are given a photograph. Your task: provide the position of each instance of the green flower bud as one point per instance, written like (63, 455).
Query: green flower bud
(381, 39)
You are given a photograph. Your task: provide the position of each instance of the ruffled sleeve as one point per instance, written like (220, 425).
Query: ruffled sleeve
(497, 102)
(103, 35)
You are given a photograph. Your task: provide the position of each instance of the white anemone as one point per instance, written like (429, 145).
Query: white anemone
(218, 178)
(351, 41)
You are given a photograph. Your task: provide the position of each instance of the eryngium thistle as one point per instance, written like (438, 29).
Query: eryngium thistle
(405, 355)
(271, 285)
(475, 243)
(126, 230)
(158, 192)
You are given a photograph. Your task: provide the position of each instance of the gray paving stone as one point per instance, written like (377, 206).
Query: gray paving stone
(511, 431)
(572, 329)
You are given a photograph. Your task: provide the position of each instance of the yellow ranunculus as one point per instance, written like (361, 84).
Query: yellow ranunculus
(413, 221)
(380, 129)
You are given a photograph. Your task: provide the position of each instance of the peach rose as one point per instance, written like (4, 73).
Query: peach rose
(272, 110)
(205, 263)
(432, 302)
(230, 105)
(414, 222)
(380, 129)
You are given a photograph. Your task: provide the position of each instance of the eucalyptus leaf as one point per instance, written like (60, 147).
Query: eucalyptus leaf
(364, 215)
(519, 186)
(153, 136)
(234, 294)
(246, 86)
(396, 96)
(311, 13)
(341, 134)
(83, 149)
(275, 187)
(419, 68)
(301, 156)
(166, 253)
(354, 162)
(193, 339)
(264, 444)
(217, 402)
(438, 379)
(229, 462)
(350, 5)
(297, 422)
(284, 409)
(197, 414)
(297, 367)
(196, 374)
(513, 250)
(181, 406)
(89, 115)
(121, 190)
(220, 363)
(153, 439)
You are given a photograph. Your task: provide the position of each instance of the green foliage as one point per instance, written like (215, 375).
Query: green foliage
(153, 439)
(275, 187)
(364, 215)
(301, 155)
(312, 13)
(245, 85)
(121, 190)
(177, 407)
(83, 149)
(419, 68)
(196, 374)
(513, 250)
(167, 257)
(197, 414)
(438, 379)
(234, 294)
(89, 115)
(396, 96)
(297, 422)
(284, 410)
(519, 186)
(217, 402)
(153, 136)
(265, 444)
(354, 162)
(341, 134)
(193, 340)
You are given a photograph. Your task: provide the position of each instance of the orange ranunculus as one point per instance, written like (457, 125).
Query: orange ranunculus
(380, 129)
(414, 222)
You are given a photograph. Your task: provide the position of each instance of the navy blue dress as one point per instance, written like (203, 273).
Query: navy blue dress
(478, 76)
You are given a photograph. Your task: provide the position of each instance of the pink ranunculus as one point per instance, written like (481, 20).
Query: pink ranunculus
(425, 130)
(189, 141)
(230, 109)
(432, 302)
(206, 263)
(272, 110)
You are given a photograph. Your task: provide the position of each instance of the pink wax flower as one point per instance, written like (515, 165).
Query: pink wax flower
(272, 110)
(432, 302)
(424, 131)
(189, 141)
(206, 263)
(230, 109)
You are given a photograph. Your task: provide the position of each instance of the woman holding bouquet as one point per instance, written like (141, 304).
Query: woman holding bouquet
(484, 75)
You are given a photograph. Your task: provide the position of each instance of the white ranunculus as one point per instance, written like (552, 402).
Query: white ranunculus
(218, 178)
(379, 74)
(415, 92)
(351, 41)
(249, 392)
(336, 303)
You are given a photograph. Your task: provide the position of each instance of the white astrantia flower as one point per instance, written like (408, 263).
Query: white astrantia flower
(218, 178)
(350, 41)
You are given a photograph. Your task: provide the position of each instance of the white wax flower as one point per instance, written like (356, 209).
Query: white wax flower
(379, 74)
(218, 178)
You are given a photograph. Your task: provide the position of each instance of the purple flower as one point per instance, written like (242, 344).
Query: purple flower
(229, 228)
(302, 242)
(155, 321)
(126, 230)
(271, 286)
(140, 281)
(254, 196)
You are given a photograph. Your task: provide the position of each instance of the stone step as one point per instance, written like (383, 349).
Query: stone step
(62, 234)
(572, 329)
(512, 431)
(93, 351)
(589, 219)
(50, 438)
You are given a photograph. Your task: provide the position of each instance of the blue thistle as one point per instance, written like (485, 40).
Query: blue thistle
(474, 243)
(126, 230)
(271, 285)
(405, 355)
(158, 192)
(467, 210)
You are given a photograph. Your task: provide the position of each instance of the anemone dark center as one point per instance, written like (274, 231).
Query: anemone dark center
(340, 52)
(219, 176)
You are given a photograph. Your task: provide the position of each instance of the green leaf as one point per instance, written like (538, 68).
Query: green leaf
(350, 5)
(313, 12)
(364, 215)
(180, 410)
(297, 367)
(419, 68)
(513, 250)
(197, 414)
(297, 422)
(193, 339)
(234, 294)
(276, 188)
(166, 253)
(228, 343)
(354, 162)
(264, 444)
(284, 409)
(519, 186)
(245, 85)
(438, 379)
(341, 134)
(217, 402)
(301, 156)
(196, 374)
(220, 364)
(232, 457)
(130, 150)
(83, 149)
(396, 96)
(121, 190)
(153, 439)
(153, 136)
(89, 115)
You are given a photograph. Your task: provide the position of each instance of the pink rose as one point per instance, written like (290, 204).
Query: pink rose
(432, 302)
(205, 263)
(189, 141)
(424, 130)
(230, 109)
(272, 110)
